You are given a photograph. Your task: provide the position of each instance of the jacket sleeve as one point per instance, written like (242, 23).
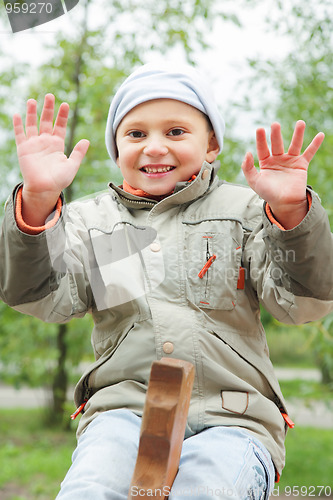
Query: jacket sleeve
(292, 270)
(31, 280)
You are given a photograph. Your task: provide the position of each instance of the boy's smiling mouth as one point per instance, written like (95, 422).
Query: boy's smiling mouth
(157, 169)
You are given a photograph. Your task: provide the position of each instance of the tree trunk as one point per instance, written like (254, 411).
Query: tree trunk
(60, 381)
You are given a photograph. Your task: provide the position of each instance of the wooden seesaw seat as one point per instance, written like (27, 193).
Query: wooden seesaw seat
(162, 429)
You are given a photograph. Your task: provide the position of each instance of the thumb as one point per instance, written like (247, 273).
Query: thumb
(79, 151)
(250, 172)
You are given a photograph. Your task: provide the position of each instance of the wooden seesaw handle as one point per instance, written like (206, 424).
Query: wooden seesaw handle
(162, 429)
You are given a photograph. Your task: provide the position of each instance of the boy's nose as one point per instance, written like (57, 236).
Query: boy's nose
(155, 147)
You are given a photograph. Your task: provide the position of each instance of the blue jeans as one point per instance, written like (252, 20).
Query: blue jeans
(219, 462)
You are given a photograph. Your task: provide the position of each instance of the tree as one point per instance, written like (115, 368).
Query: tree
(301, 82)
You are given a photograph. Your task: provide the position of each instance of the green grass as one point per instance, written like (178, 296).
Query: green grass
(307, 390)
(34, 459)
(309, 459)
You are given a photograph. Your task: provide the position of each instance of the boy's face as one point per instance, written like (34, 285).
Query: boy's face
(162, 142)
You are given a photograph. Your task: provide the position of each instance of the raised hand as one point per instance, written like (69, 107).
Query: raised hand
(282, 178)
(45, 168)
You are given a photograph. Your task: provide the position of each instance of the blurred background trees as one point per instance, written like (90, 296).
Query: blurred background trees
(85, 67)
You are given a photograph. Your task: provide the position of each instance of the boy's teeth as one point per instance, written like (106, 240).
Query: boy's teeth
(151, 170)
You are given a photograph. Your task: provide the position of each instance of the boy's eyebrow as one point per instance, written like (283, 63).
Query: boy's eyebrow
(166, 122)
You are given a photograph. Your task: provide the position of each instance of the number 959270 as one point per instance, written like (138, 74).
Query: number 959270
(303, 491)
(28, 8)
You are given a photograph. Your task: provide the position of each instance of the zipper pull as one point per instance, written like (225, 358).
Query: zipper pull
(85, 401)
(287, 419)
(285, 415)
(205, 268)
(79, 410)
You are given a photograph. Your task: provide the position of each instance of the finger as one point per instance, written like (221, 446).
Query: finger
(61, 121)
(31, 119)
(262, 147)
(297, 139)
(46, 119)
(18, 129)
(276, 139)
(79, 152)
(250, 172)
(313, 147)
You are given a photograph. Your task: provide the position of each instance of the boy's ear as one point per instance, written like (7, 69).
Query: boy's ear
(213, 147)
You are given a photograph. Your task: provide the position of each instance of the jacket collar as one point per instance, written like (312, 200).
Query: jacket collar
(184, 192)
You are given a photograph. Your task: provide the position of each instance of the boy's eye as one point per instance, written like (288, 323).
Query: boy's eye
(136, 134)
(176, 132)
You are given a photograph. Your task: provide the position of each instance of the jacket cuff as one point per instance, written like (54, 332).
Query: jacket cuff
(24, 227)
(271, 217)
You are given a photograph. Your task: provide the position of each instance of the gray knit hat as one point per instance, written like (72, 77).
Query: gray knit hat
(162, 81)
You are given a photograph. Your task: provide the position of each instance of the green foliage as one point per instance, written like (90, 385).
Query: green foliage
(29, 348)
(288, 345)
(232, 155)
(305, 346)
(321, 344)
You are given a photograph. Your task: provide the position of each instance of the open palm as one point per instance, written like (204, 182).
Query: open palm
(282, 178)
(44, 166)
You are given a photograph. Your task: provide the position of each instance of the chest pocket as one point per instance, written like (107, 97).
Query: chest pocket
(126, 266)
(213, 261)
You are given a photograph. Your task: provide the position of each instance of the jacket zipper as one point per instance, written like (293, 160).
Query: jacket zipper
(209, 261)
(285, 415)
(135, 202)
(87, 382)
(80, 408)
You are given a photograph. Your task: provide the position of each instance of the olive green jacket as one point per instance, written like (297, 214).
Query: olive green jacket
(133, 263)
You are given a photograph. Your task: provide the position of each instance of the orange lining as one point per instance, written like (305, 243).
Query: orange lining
(24, 227)
(139, 192)
(271, 216)
(136, 192)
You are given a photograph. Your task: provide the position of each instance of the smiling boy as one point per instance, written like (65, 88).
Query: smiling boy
(162, 142)
(201, 255)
